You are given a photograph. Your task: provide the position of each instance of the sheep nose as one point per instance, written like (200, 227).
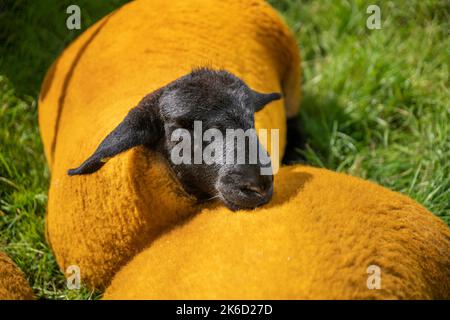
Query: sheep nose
(259, 187)
(244, 187)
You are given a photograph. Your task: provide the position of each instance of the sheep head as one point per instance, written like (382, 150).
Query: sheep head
(203, 123)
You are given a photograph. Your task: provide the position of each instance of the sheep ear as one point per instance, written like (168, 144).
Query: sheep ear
(140, 127)
(260, 100)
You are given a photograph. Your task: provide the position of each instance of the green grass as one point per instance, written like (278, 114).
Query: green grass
(376, 104)
(33, 33)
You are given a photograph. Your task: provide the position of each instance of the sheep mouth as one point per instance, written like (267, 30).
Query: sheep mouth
(230, 205)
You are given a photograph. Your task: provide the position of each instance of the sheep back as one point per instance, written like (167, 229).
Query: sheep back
(317, 239)
(13, 285)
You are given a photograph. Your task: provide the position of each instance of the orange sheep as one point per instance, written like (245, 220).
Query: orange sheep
(100, 221)
(317, 238)
(324, 236)
(13, 285)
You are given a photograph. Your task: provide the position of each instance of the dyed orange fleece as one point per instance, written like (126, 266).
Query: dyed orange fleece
(317, 237)
(13, 285)
(315, 240)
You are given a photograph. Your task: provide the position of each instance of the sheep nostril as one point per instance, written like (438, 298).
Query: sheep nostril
(255, 189)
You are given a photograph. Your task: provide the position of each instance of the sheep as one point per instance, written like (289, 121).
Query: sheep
(100, 221)
(324, 235)
(220, 101)
(317, 237)
(13, 285)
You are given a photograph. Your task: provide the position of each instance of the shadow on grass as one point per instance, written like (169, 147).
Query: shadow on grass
(311, 135)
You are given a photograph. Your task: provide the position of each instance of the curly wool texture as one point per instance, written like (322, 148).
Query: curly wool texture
(100, 221)
(13, 285)
(315, 240)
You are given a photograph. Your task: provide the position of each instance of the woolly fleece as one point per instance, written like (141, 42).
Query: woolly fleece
(315, 240)
(13, 285)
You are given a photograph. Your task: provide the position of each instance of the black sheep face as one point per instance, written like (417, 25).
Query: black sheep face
(202, 103)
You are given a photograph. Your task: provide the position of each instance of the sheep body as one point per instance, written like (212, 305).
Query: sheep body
(316, 240)
(13, 285)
